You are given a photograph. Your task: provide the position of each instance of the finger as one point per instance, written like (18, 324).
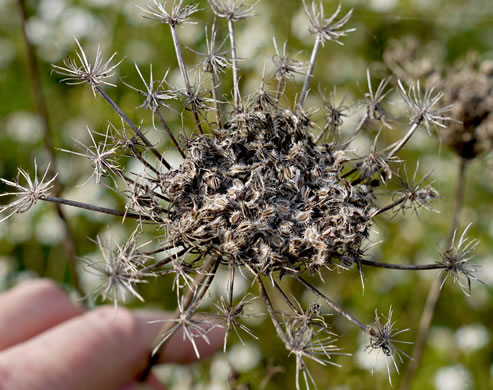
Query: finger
(95, 350)
(31, 308)
(152, 383)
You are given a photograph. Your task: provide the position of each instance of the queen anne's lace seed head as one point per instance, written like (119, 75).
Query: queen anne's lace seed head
(179, 13)
(83, 71)
(327, 29)
(255, 193)
(26, 195)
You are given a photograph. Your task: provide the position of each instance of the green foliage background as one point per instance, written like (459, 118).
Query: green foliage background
(32, 244)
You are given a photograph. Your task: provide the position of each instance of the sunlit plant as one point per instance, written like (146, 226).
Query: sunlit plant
(263, 189)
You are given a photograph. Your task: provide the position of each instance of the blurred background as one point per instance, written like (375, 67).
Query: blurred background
(436, 34)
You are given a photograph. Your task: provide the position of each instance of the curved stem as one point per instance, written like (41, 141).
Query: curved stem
(404, 267)
(216, 101)
(280, 87)
(190, 298)
(164, 261)
(270, 310)
(403, 141)
(40, 103)
(132, 125)
(335, 307)
(168, 130)
(390, 206)
(434, 293)
(91, 207)
(356, 132)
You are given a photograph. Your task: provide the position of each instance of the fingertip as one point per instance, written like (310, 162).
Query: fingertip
(43, 300)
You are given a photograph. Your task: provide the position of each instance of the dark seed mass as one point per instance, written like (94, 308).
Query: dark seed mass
(261, 193)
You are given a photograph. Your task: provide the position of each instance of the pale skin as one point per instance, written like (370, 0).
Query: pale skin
(48, 342)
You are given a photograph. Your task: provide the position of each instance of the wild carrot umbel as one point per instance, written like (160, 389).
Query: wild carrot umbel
(262, 189)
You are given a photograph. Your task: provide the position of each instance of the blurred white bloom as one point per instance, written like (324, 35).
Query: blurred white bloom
(77, 22)
(50, 10)
(364, 360)
(453, 378)
(23, 127)
(245, 357)
(472, 337)
(220, 369)
(382, 5)
(49, 229)
(38, 30)
(101, 3)
(442, 338)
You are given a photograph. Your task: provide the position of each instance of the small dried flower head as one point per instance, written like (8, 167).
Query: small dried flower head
(119, 271)
(84, 72)
(469, 88)
(306, 341)
(382, 339)
(456, 261)
(375, 162)
(233, 10)
(193, 328)
(425, 108)
(155, 95)
(286, 66)
(327, 29)
(215, 61)
(373, 100)
(27, 195)
(179, 13)
(231, 315)
(103, 155)
(334, 113)
(411, 60)
(415, 193)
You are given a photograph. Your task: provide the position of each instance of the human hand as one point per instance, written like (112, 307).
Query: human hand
(49, 343)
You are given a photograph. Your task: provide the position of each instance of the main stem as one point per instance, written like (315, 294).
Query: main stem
(309, 73)
(403, 141)
(434, 293)
(335, 307)
(184, 74)
(236, 87)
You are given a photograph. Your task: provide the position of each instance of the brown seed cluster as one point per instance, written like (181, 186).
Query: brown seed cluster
(470, 89)
(261, 193)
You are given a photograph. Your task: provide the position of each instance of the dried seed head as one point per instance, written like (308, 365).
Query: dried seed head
(456, 261)
(232, 9)
(254, 180)
(94, 74)
(327, 29)
(469, 88)
(26, 195)
(179, 13)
